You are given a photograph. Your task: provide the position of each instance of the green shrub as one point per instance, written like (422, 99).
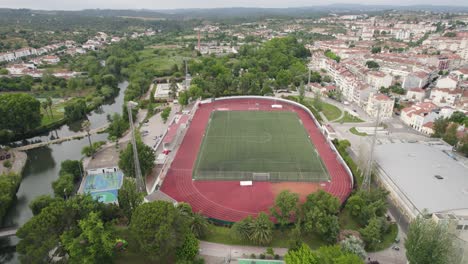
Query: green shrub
(7, 164)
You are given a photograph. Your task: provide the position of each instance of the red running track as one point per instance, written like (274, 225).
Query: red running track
(227, 200)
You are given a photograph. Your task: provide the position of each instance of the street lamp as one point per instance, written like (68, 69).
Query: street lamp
(139, 178)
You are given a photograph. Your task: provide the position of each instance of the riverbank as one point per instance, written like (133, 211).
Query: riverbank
(11, 169)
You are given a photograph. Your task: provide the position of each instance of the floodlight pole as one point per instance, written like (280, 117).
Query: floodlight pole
(368, 174)
(139, 178)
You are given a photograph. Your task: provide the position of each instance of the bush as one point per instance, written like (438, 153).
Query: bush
(7, 164)
(277, 256)
(165, 114)
(262, 256)
(8, 186)
(253, 256)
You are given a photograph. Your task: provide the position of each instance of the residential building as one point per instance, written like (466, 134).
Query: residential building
(415, 94)
(419, 114)
(385, 103)
(447, 82)
(428, 128)
(379, 79)
(445, 96)
(416, 80)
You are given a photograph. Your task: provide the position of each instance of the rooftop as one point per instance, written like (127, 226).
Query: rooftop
(427, 175)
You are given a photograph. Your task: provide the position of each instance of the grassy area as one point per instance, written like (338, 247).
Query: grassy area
(163, 59)
(357, 133)
(330, 111)
(348, 118)
(57, 113)
(224, 235)
(239, 143)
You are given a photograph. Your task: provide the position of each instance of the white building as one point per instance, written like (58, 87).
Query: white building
(378, 79)
(8, 56)
(386, 106)
(22, 53)
(447, 82)
(419, 114)
(51, 59)
(415, 94)
(445, 96)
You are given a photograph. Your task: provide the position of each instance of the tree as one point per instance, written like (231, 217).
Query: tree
(440, 126)
(285, 207)
(459, 117)
(199, 225)
(301, 93)
(45, 107)
(117, 126)
(334, 255)
(41, 202)
(189, 249)
(319, 215)
(372, 234)
(165, 114)
(372, 64)
(75, 110)
(183, 98)
(450, 135)
(73, 167)
(146, 157)
(173, 89)
(262, 230)
(49, 104)
(159, 228)
(19, 112)
(8, 186)
(376, 50)
(63, 187)
(91, 242)
(243, 228)
(365, 205)
(430, 242)
(317, 101)
(42, 232)
(129, 197)
(86, 126)
(353, 245)
(302, 255)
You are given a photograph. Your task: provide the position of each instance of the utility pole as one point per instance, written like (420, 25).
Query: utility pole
(186, 74)
(139, 178)
(368, 174)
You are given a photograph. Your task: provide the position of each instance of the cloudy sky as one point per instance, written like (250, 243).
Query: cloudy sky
(172, 4)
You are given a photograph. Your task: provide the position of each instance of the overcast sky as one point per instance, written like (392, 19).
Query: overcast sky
(173, 4)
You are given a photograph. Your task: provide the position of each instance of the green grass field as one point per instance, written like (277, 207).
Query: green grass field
(239, 143)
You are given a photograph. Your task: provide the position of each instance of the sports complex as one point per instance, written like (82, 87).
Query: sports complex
(240, 152)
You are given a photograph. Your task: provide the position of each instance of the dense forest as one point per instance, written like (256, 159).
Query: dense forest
(254, 70)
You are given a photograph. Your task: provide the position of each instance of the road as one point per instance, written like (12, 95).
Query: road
(58, 140)
(220, 251)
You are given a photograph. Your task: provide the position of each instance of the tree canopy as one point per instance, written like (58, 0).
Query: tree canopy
(285, 207)
(19, 112)
(146, 157)
(159, 228)
(430, 242)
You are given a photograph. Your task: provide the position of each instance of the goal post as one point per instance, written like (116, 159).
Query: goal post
(261, 176)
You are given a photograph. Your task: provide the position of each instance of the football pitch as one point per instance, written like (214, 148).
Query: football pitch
(257, 145)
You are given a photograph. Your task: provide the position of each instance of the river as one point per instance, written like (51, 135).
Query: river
(43, 165)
